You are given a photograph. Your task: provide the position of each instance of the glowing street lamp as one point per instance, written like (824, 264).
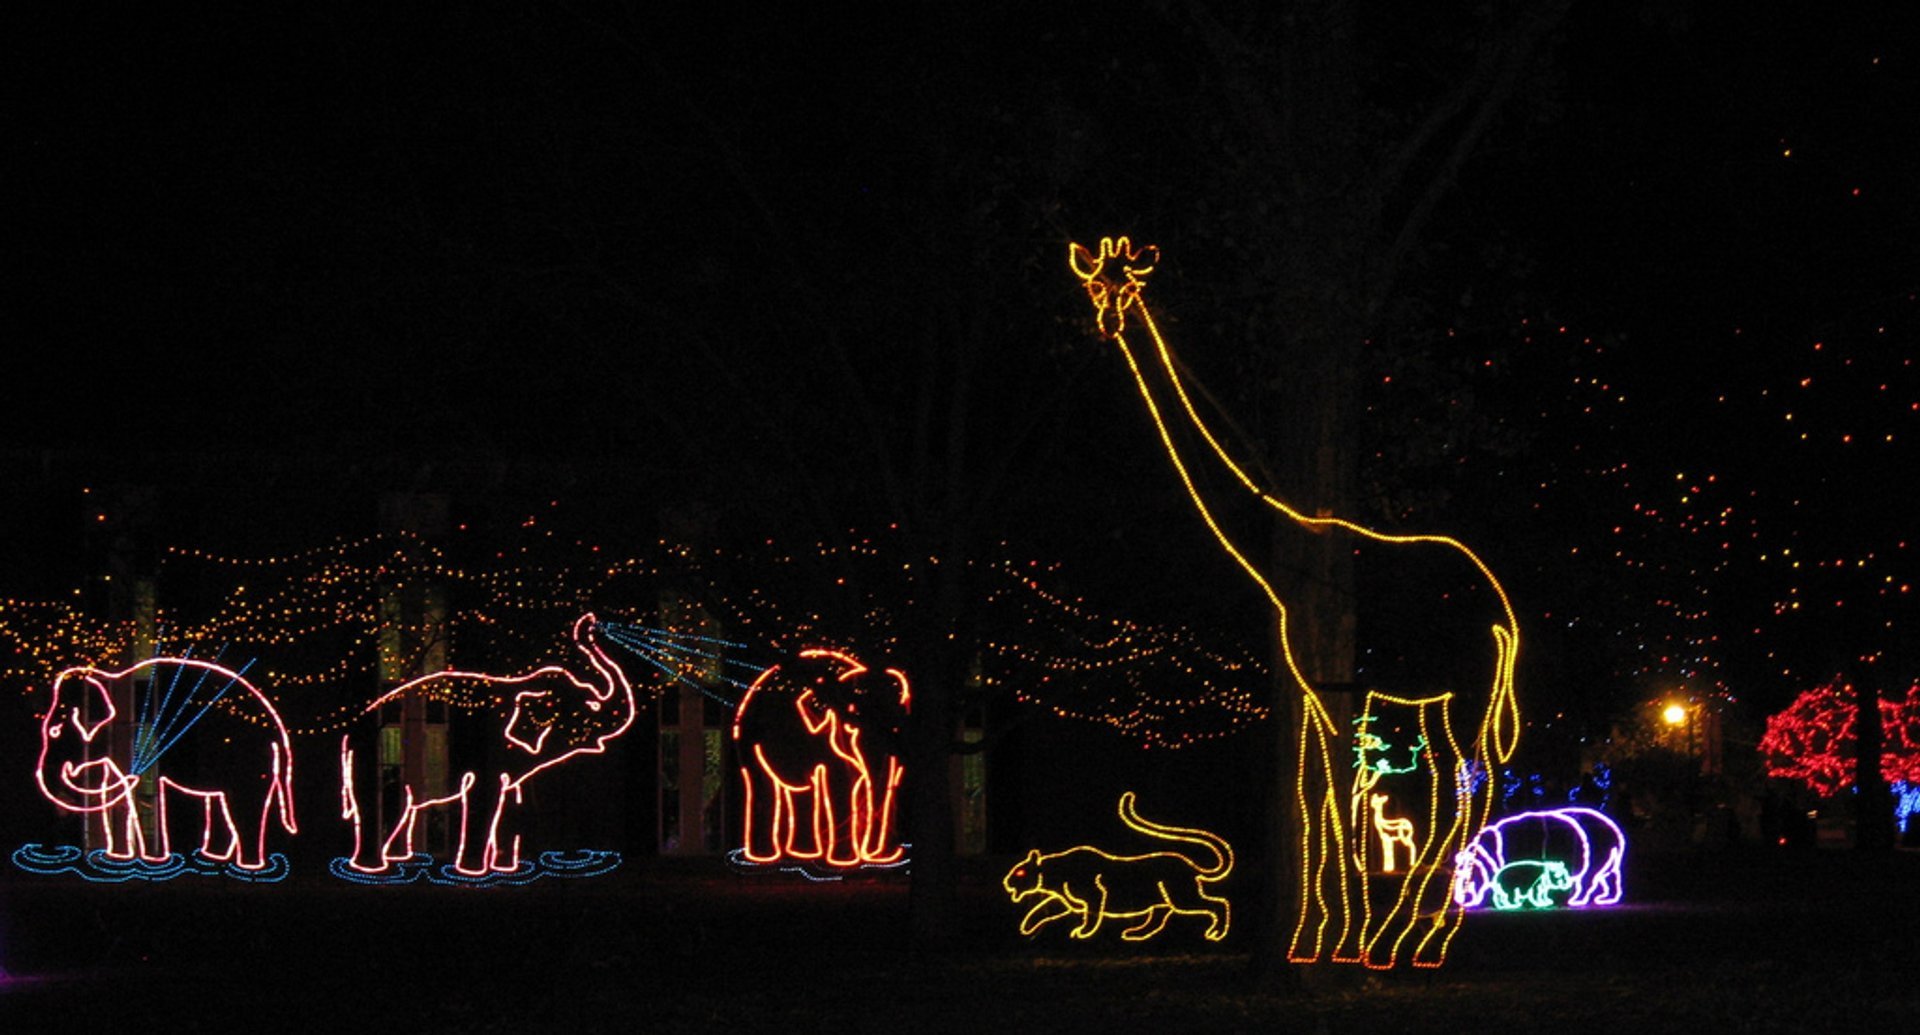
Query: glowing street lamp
(1695, 725)
(1677, 716)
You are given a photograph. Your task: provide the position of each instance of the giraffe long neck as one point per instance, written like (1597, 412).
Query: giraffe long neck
(1173, 402)
(1179, 406)
(1214, 448)
(1149, 361)
(1161, 362)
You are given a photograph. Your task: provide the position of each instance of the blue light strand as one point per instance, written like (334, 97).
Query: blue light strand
(575, 865)
(152, 727)
(141, 765)
(649, 641)
(96, 867)
(669, 652)
(651, 633)
(670, 666)
(1906, 804)
(150, 713)
(737, 861)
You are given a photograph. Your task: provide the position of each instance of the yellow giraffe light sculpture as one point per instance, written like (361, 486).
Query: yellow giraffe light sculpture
(1443, 787)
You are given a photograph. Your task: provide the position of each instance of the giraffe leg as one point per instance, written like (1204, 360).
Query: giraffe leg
(1438, 905)
(1310, 931)
(1436, 915)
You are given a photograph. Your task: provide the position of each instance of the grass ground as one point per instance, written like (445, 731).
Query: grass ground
(1732, 941)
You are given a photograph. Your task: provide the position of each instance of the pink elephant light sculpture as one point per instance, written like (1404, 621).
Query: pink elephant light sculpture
(238, 780)
(557, 716)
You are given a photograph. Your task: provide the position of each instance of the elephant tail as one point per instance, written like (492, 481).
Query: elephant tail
(282, 794)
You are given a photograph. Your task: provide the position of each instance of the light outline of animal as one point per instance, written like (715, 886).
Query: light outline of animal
(1113, 299)
(1367, 776)
(1365, 741)
(1435, 837)
(1392, 832)
(1090, 905)
(1477, 868)
(115, 788)
(870, 824)
(397, 846)
(1538, 892)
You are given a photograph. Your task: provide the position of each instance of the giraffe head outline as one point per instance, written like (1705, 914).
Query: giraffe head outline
(1113, 277)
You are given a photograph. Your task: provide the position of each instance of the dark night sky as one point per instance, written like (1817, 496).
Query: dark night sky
(277, 205)
(329, 232)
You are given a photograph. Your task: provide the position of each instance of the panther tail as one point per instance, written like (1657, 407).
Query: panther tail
(1222, 852)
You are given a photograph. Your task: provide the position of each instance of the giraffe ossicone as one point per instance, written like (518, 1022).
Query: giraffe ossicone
(1112, 296)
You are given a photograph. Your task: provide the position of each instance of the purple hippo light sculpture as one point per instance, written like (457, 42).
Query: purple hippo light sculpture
(1529, 859)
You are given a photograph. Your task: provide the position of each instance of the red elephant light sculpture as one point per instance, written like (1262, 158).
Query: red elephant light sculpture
(240, 776)
(822, 730)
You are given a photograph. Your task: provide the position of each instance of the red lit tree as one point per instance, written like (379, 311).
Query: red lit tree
(1813, 739)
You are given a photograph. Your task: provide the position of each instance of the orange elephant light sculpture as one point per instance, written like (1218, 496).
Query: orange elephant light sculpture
(818, 739)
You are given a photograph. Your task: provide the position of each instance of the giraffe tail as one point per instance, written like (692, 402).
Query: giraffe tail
(1503, 710)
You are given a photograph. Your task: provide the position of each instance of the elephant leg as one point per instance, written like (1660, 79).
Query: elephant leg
(220, 839)
(1435, 916)
(826, 816)
(840, 792)
(374, 850)
(754, 827)
(882, 845)
(1310, 929)
(858, 825)
(363, 859)
(502, 850)
(162, 848)
(1344, 885)
(771, 820)
(235, 826)
(799, 819)
(469, 850)
(785, 824)
(1389, 904)
(770, 796)
(890, 848)
(398, 844)
(120, 825)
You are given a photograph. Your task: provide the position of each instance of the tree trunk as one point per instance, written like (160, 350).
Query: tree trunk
(1872, 803)
(932, 899)
(1315, 460)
